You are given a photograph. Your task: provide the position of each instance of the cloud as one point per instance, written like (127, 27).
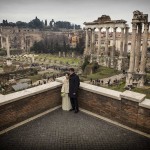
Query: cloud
(76, 11)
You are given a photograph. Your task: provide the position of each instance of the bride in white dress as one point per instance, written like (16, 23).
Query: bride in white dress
(66, 104)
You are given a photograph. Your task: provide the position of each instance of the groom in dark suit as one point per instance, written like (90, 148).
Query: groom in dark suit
(74, 83)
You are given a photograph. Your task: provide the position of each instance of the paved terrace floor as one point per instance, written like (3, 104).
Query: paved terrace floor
(69, 131)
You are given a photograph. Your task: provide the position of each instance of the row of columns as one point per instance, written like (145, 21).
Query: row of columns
(123, 42)
(138, 58)
(7, 45)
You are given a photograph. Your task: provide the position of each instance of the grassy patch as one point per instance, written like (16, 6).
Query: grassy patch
(119, 87)
(143, 91)
(103, 72)
(35, 77)
(65, 60)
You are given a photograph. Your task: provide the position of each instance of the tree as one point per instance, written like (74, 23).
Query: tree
(45, 22)
(85, 63)
(80, 46)
(21, 24)
(35, 23)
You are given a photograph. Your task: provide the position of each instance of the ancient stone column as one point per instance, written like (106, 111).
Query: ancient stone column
(32, 58)
(129, 78)
(106, 41)
(138, 47)
(1, 40)
(7, 47)
(126, 41)
(144, 49)
(113, 47)
(132, 52)
(99, 41)
(90, 41)
(86, 42)
(121, 42)
(99, 44)
(72, 54)
(9, 62)
(93, 40)
(59, 54)
(64, 54)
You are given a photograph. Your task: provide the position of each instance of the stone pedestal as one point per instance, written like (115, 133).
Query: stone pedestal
(129, 79)
(8, 62)
(112, 62)
(72, 54)
(141, 80)
(91, 58)
(107, 61)
(32, 58)
(98, 59)
(64, 54)
(122, 63)
(59, 54)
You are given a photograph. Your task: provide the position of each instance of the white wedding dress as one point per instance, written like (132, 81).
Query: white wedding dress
(66, 104)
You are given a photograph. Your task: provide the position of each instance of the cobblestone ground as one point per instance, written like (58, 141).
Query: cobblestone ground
(69, 131)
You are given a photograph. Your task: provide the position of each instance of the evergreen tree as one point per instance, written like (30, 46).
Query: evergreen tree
(45, 22)
(36, 23)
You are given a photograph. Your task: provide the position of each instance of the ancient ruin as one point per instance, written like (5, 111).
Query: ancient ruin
(138, 55)
(106, 57)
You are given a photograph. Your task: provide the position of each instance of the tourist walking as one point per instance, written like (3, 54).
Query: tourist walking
(74, 83)
(66, 104)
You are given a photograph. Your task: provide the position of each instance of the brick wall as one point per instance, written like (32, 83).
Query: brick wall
(124, 111)
(20, 110)
(127, 108)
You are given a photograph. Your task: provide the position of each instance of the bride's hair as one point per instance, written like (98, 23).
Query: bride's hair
(67, 74)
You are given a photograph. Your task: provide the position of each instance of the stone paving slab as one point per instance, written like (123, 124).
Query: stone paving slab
(61, 130)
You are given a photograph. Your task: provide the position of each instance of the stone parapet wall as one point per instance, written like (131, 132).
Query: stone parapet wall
(127, 108)
(127, 111)
(19, 106)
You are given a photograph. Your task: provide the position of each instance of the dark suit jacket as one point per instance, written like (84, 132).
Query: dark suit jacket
(74, 83)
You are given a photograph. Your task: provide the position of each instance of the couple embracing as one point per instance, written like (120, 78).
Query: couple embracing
(69, 91)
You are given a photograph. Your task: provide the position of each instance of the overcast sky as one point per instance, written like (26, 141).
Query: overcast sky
(75, 11)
